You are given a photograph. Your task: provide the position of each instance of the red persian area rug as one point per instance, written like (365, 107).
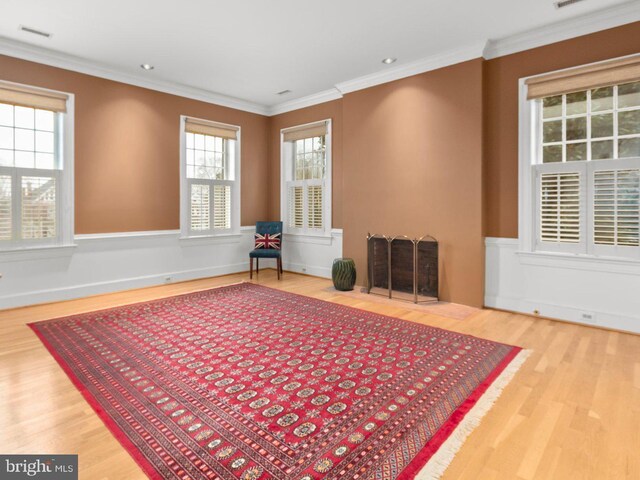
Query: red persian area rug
(248, 382)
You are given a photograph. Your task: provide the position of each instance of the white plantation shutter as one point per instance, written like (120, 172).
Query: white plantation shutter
(560, 207)
(296, 207)
(200, 207)
(222, 206)
(5, 208)
(616, 207)
(38, 219)
(210, 206)
(314, 206)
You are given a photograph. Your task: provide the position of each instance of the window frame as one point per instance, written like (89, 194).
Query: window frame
(287, 179)
(64, 176)
(530, 168)
(186, 232)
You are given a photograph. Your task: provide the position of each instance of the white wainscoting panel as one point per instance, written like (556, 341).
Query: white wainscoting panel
(312, 255)
(111, 262)
(593, 291)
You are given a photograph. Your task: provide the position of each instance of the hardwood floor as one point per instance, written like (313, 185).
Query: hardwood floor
(572, 412)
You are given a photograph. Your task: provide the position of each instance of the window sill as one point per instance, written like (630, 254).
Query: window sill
(37, 253)
(125, 236)
(221, 238)
(580, 262)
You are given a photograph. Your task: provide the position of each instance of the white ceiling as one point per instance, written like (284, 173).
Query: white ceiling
(252, 49)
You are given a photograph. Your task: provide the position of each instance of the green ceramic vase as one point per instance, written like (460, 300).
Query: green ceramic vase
(343, 274)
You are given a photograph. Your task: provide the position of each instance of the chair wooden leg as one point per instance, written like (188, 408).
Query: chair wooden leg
(257, 265)
(280, 261)
(250, 268)
(278, 267)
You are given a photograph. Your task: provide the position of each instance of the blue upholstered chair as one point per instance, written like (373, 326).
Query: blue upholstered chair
(271, 228)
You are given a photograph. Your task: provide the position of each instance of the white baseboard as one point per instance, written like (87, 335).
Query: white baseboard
(584, 293)
(324, 272)
(86, 290)
(565, 313)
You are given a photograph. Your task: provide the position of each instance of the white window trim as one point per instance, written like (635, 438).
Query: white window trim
(528, 133)
(185, 232)
(285, 165)
(528, 149)
(65, 209)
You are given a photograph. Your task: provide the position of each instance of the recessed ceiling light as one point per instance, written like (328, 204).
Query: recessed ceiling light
(389, 61)
(146, 66)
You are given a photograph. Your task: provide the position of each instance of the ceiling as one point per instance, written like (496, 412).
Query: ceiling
(252, 49)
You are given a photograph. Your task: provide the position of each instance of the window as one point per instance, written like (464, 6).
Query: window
(585, 169)
(306, 179)
(210, 178)
(35, 167)
(597, 124)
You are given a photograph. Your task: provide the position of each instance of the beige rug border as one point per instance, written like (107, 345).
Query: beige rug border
(440, 461)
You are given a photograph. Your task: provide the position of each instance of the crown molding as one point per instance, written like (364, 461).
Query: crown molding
(52, 58)
(616, 16)
(388, 75)
(622, 14)
(427, 64)
(611, 17)
(309, 100)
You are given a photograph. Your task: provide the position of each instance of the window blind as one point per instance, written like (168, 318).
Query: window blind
(296, 207)
(616, 207)
(200, 207)
(306, 131)
(5, 208)
(560, 207)
(603, 74)
(221, 206)
(24, 96)
(314, 199)
(38, 207)
(193, 125)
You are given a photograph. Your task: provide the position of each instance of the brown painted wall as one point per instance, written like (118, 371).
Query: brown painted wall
(434, 153)
(127, 175)
(332, 110)
(412, 165)
(501, 77)
(400, 166)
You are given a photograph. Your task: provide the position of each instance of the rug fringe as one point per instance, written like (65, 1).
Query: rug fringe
(441, 460)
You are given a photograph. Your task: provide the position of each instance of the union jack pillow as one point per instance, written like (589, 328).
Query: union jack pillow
(268, 241)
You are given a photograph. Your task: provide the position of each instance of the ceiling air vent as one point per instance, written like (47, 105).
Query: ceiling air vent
(566, 3)
(34, 31)
(284, 92)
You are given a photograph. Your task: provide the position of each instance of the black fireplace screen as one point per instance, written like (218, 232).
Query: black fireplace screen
(403, 268)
